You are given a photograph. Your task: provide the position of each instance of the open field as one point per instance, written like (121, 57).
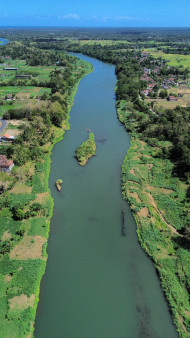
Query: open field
(22, 89)
(43, 72)
(174, 59)
(103, 42)
(23, 95)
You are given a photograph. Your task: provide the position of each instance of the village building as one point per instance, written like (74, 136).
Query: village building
(183, 83)
(9, 97)
(7, 138)
(5, 164)
(151, 86)
(146, 92)
(155, 71)
(165, 86)
(147, 79)
(146, 70)
(172, 98)
(144, 54)
(10, 68)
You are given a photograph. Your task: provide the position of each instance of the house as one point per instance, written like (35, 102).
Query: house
(183, 83)
(155, 71)
(146, 70)
(9, 97)
(7, 138)
(172, 98)
(5, 164)
(164, 86)
(146, 92)
(144, 54)
(171, 82)
(147, 79)
(151, 86)
(10, 68)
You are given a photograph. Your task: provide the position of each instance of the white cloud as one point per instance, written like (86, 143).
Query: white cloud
(130, 18)
(71, 16)
(123, 18)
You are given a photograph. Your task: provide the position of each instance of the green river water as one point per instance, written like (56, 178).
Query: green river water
(98, 284)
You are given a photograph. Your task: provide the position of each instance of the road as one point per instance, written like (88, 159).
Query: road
(3, 124)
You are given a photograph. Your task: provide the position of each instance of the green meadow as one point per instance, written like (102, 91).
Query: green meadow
(173, 59)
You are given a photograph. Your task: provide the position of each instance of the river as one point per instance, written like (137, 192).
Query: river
(3, 41)
(98, 283)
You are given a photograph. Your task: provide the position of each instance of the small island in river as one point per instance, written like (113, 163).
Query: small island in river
(58, 184)
(86, 150)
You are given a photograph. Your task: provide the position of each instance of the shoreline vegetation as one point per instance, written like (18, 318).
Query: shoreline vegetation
(86, 150)
(26, 205)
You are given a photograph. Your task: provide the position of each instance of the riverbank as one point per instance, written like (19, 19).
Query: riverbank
(23, 254)
(157, 200)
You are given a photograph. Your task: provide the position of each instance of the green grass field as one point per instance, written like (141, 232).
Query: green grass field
(174, 59)
(43, 72)
(103, 42)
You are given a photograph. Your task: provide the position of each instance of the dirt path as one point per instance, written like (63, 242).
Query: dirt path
(3, 125)
(174, 231)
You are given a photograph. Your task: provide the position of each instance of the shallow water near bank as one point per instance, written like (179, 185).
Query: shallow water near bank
(98, 283)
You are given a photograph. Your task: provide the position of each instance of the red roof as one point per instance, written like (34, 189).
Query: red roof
(6, 135)
(173, 98)
(4, 162)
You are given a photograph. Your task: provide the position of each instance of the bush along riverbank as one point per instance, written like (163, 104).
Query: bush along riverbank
(26, 205)
(86, 150)
(160, 205)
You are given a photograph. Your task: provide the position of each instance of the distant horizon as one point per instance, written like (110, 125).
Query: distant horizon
(95, 27)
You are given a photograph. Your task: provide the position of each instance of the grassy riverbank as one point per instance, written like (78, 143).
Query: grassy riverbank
(86, 150)
(159, 205)
(26, 210)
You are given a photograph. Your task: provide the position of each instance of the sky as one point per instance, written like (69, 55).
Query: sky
(98, 13)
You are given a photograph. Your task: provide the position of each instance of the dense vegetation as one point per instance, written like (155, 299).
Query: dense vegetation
(86, 150)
